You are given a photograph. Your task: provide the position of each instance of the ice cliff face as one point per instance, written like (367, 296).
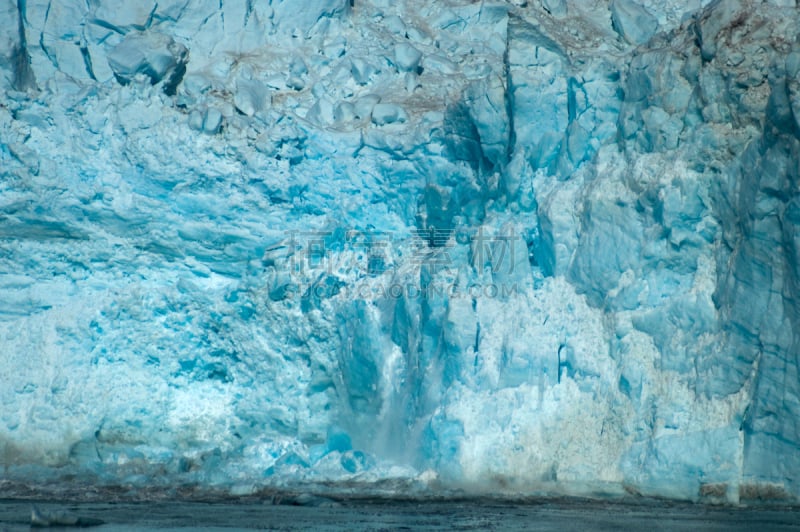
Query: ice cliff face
(550, 246)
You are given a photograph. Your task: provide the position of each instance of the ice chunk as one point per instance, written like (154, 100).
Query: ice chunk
(338, 440)
(395, 24)
(41, 519)
(157, 56)
(251, 97)
(365, 105)
(632, 21)
(322, 112)
(344, 112)
(362, 71)
(212, 121)
(388, 113)
(720, 15)
(406, 57)
(488, 108)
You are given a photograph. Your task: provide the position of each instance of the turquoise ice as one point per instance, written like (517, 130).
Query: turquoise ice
(538, 247)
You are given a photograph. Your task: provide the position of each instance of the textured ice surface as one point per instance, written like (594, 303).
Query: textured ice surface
(539, 247)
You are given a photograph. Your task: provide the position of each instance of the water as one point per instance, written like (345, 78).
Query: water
(467, 514)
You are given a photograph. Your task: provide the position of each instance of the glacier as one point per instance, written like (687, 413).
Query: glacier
(536, 247)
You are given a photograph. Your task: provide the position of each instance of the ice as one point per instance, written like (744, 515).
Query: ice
(406, 57)
(387, 113)
(632, 21)
(150, 54)
(557, 8)
(251, 97)
(290, 16)
(503, 247)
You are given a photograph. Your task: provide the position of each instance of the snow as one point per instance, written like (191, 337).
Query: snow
(524, 247)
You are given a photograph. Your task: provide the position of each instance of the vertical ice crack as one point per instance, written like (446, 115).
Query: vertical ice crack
(150, 17)
(477, 342)
(87, 62)
(50, 56)
(248, 10)
(509, 94)
(23, 73)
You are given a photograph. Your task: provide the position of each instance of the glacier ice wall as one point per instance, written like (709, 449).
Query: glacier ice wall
(545, 246)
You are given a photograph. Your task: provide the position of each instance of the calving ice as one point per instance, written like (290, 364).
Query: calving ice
(531, 247)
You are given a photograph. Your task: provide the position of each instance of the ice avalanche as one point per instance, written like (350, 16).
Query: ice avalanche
(540, 246)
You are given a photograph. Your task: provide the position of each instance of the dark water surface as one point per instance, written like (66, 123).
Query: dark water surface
(473, 514)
